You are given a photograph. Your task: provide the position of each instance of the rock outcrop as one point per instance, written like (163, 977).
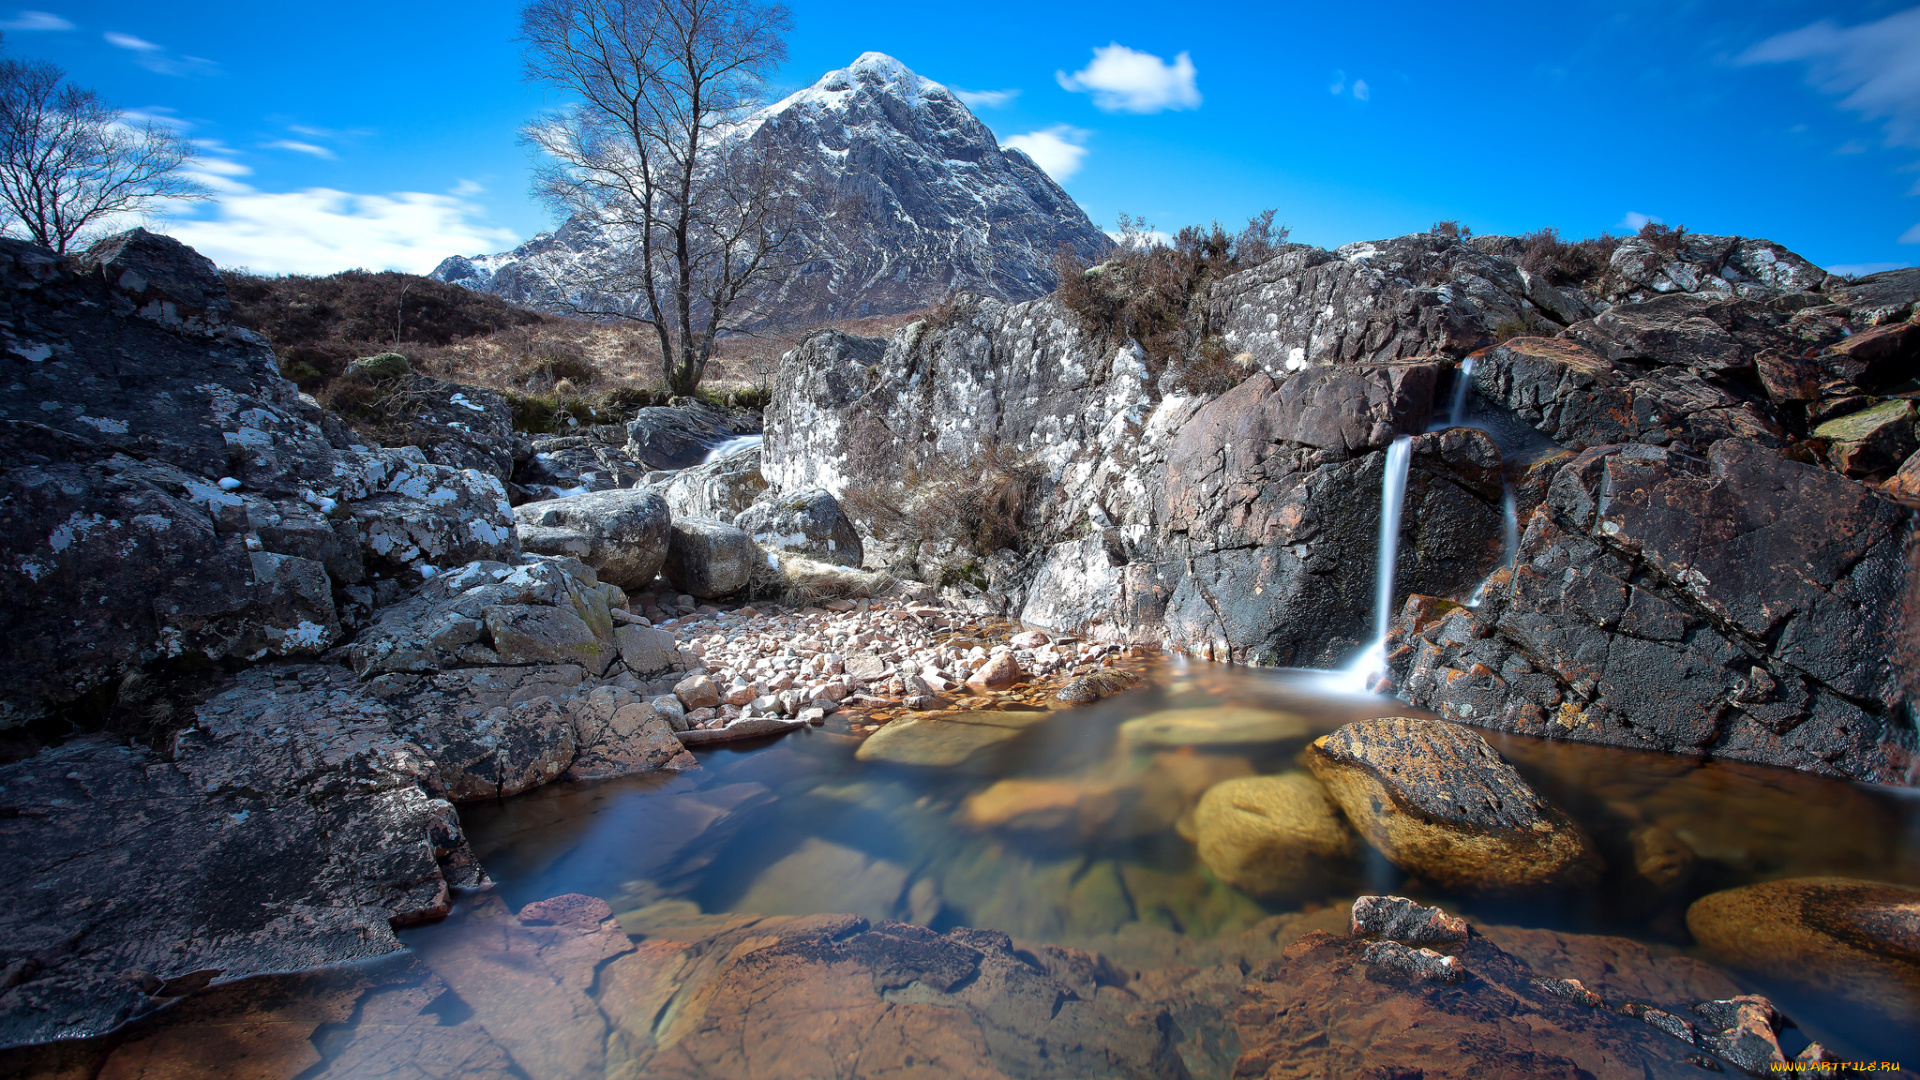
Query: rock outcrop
(1694, 391)
(910, 198)
(167, 494)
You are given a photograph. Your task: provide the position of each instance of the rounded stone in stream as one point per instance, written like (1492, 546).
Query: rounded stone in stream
(945, 741)
(1220, 726)
(1272, 835)
(1439, 803)
(1858, 940)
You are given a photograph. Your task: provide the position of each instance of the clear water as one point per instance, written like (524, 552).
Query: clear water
(800, 826)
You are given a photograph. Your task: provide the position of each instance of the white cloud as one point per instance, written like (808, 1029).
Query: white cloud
(36, 20)
(1634, 221)
(1123, 80)
(465, 189)
(321, 231)
(1911, 236)
(128, 41)
(300, 148)
(1057, 150)
(156, 58)
(1340, 85)
(1876, 65)
(1863, 269)
(986, 99)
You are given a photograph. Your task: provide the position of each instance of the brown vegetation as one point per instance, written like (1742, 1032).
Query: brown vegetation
(1564, 262)
(958, 512)
(550, 368)
(1155, 294)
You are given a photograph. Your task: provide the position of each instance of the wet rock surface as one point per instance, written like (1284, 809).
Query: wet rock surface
(1272, 835)
(1858, 940)
(1437, 801)
(564, 991)
(675, 437)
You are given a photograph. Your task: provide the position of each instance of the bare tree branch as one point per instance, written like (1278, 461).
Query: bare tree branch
(69, 161)
(650, 152)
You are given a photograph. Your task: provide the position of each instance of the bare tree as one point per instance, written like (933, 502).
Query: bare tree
(69, 161)
(652, 150)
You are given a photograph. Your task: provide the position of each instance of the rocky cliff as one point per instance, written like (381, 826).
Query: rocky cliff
(1698, 453)
(910, 197)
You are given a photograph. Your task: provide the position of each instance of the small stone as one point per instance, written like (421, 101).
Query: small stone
(1423, 964)
(1572, 990)
(1400, 919)
(814, 716)
(1028, 639)
(697, 692)
(998, 673)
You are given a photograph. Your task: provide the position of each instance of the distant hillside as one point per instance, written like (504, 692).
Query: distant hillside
(318, 324)
(914, 196)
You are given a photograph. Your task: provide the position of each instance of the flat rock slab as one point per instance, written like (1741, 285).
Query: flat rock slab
(1437, 801)
(749, 728)
(292, 829)
(945, 741)
(1224, 726)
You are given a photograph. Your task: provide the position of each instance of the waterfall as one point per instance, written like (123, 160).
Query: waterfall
(1509, 532)
(732, 447)
(1372, 661)
(1463, 379)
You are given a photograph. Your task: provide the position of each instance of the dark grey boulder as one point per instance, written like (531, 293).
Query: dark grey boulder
(677, 436)
(709, 559)
(806, 522)
(621, 533)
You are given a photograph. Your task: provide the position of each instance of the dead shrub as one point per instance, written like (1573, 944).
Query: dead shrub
(1563, 262)
(1154, 294)
(1214, 370)
(1450, 229)
(963, 511)
(1668, 240)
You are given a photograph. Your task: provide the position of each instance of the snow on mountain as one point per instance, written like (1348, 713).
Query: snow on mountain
(914, 196)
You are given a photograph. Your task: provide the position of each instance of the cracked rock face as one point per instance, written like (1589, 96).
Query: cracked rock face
(293, 827)
(914, 197)
(1742, 604)
(153, 451)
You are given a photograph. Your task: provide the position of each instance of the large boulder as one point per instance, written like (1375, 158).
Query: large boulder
(1438, 802)
(621, 533)
(677, 436)
(709, 559)
(719, 489)
(562, 465)
(1744, 603)
(808, 522)
(198, 482)
(544, 610)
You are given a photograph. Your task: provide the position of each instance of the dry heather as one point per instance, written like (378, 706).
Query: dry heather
(552, 368)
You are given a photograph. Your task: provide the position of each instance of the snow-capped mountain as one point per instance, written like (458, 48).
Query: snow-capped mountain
(916, 198)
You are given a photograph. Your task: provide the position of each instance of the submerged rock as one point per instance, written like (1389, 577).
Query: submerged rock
(945, 741)
(1225, 725)
(1272, 835)
(1858, 940)
(1400, 919)
(1439, 803)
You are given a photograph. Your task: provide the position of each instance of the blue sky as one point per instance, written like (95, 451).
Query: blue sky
(384, 135)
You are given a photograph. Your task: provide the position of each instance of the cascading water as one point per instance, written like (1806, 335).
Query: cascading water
(1510, 533)
(1457, 415)
(732, 446)
(1360, 674)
